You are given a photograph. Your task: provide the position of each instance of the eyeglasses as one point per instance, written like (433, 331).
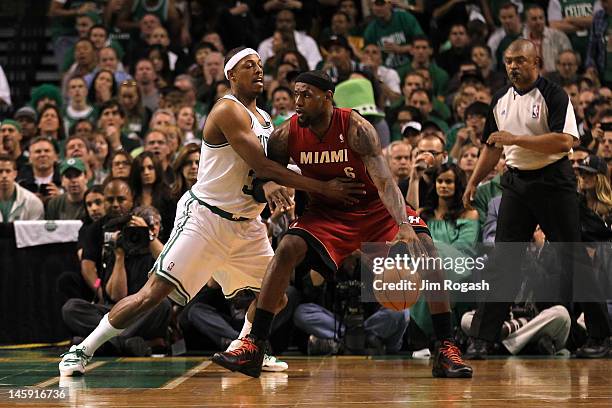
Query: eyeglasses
(129, 82)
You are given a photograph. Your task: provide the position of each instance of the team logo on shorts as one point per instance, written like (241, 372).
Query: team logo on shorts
(535, 111)
(170, 266)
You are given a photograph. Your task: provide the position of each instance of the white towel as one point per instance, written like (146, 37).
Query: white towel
(32, 233)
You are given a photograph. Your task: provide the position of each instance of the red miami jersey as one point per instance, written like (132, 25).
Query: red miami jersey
(330, 157)
(332, 230)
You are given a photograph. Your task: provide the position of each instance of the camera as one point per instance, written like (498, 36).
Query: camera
(133, 240)
(606, 127)
(350, 309)
(43, 189)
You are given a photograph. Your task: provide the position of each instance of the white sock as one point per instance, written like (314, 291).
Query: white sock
(104, 332)
(246, 328)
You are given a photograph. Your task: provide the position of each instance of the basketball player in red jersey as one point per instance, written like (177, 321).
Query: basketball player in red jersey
(327, 142)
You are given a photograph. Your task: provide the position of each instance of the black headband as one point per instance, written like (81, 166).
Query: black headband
(315, 80)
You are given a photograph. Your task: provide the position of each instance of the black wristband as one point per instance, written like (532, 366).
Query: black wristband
(258, 192)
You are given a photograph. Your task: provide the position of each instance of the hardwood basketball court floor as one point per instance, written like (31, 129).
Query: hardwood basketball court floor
(309, 382)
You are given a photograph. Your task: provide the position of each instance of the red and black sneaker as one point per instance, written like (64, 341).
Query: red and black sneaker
(448, 362)
(246, 359)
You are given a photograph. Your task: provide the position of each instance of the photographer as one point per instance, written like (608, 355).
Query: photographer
(359, 327)
(118, 252)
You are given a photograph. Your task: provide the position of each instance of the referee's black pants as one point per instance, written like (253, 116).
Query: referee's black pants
(547, 197)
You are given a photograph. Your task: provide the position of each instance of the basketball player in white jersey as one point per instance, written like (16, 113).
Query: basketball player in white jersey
(217, 231)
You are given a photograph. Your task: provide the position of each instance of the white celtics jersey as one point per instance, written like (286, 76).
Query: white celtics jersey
(224, 178)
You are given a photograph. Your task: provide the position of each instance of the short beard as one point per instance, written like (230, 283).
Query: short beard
(303, 122)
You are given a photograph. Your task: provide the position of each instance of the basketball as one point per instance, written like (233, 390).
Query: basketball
(399, 289)
(396, 285)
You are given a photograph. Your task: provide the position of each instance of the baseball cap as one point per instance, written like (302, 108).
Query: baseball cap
(72, 163)
(25, 112)
(594, 164)
(411, 126)
(11, 122)
(338, 40)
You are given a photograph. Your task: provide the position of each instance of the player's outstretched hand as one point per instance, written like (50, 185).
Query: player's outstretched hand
(277, 196)
(345, 190)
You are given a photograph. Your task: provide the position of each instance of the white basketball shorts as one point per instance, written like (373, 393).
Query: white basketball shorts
(204, 245)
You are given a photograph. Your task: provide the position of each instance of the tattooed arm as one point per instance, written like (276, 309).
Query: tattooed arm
(362, 138)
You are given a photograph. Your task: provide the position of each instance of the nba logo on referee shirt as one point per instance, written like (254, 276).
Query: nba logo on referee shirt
(535, 111)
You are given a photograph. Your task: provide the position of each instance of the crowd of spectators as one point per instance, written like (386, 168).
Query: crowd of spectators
(120, 135)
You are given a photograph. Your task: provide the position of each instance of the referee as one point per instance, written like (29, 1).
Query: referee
(532, 121)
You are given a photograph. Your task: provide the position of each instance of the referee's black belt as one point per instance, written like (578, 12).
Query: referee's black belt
(534, 172)
(221, 213)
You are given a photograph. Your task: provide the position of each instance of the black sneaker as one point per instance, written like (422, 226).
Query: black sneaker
(478, 349)
(448, 362)
(593, 348)
(246, 359)
(321, 347)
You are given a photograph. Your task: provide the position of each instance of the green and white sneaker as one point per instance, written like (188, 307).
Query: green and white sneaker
(74, 361)
(270, 363)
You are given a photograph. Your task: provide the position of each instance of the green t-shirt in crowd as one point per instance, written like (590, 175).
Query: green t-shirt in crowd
(70, 118)
(160, 10)
(578, 8)
(451, 136)
(399, 30)
(5, 206)
(484, 194)
(66, 25)
(59, 208)
(439, 77)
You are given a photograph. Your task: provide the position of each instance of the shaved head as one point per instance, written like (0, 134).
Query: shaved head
(522, 63)
(524, 47)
